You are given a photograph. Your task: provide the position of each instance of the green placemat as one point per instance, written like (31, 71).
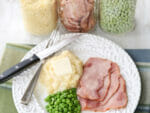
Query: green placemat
(6, 101)
(13, 53)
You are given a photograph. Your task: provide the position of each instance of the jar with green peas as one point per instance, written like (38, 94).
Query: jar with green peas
(117, 16)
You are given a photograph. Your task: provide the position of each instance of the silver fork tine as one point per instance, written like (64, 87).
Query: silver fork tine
(53, 34)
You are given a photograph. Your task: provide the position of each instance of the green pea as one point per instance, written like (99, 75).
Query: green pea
(65, 110)
(56, 112)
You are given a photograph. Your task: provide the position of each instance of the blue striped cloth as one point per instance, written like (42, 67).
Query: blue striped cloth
(140, 56)
(142, 59)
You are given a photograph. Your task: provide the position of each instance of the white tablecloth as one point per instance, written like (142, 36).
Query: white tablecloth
(12, 28)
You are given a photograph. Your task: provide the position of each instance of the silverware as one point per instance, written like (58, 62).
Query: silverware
(36, 57)
(31, 86)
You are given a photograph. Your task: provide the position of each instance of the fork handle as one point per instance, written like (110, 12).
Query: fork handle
(30, 88)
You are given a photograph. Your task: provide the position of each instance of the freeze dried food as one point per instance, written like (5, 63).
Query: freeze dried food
(77, 15)
(117, 16)
(40, 16)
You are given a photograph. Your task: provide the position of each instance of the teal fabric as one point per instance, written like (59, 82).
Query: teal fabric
(142, 60)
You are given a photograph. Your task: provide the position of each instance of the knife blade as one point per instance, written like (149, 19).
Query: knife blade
(11, 72)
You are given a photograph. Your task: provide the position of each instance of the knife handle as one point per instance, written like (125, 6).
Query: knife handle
(8, 74)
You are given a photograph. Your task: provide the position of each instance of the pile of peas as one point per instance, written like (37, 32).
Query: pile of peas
(63, 102)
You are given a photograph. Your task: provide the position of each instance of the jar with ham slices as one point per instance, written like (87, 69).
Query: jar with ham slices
(77, 15)
(117, 16)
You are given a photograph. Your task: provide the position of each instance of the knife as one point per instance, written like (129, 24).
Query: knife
(11, 72)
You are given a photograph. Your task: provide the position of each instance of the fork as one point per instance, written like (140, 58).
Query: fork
(54, 37)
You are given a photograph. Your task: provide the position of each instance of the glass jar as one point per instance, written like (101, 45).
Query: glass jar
(117, 16)
(40, 16)
(77, 15)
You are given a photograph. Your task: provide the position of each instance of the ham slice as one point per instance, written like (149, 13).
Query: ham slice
(114, 84)
(109, 92)
(117, 101)
(104, 90)
(97, 77)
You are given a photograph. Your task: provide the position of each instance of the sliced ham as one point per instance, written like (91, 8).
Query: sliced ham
(114, 84)
(104, 90)
(83, 102)
(117, 101)
(93, 79)
(108, 89)
(88, 104)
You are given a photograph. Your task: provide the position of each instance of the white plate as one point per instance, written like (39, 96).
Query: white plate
(86, 46)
